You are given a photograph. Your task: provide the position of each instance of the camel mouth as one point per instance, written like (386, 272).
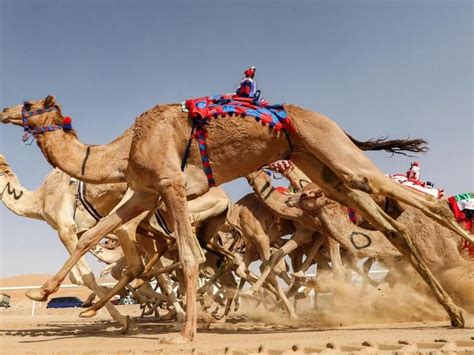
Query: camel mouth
(293, 200)
(4, 118)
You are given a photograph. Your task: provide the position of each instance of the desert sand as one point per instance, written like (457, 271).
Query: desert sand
(382, 321)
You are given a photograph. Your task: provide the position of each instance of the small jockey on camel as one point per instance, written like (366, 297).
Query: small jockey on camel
(248, 86)
(414, 172)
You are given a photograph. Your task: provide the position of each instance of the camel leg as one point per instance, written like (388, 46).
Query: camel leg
(234, 299)
(68, 237)
(300, 237)
(399, 237)
(173, 193)
(154, 251)
(237, 297)
(138, 203)
(395, 232)
(168, 291)
(285, 277)
(353, 168)
(310, 258)
(336, 262)
(127, 237)
(219, 272)
(281, 295)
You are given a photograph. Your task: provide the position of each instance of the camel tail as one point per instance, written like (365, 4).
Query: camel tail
(394, 146)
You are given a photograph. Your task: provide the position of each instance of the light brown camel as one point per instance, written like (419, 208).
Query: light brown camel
(441, 248)
(260, 231)
(309, 230)
(236, 146)
(55, 203)
(438, 246)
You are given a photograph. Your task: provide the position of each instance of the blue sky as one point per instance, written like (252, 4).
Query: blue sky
(398, 68)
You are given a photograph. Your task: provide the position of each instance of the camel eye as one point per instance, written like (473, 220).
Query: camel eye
(27, 106)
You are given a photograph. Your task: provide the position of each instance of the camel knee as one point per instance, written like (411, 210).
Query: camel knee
(174, 186)
(68, 235)
(135, 270)
(190, 265)
(359, 182)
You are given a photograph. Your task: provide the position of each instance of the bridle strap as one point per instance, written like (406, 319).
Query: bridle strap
(27, 114)
(38, 130)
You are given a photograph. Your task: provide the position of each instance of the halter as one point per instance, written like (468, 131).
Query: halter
(40, 130)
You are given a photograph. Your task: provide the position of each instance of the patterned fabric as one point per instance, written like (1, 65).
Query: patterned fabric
(280, 166)
(203, 109)
(352, 214)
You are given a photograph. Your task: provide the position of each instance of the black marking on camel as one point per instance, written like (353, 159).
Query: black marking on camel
(353, 241)
(11, 191)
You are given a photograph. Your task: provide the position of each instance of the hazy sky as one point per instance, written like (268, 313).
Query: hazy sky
(398, 68)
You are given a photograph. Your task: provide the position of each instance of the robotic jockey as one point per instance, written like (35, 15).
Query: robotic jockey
(414, 172)
(248, 86)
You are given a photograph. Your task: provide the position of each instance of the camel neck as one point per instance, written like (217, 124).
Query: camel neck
(271, 198)
(96, 164)
(297, 178)
(19, 200)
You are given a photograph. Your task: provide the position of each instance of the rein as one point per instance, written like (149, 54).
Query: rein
(33, 132)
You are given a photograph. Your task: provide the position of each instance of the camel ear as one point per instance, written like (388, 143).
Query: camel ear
(49, 101)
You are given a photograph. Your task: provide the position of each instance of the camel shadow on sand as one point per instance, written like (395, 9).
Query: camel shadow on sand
(148, 329)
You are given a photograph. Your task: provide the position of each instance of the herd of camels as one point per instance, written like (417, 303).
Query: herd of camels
(169, 224)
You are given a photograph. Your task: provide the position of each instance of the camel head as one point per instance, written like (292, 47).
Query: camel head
(310, 199)
(39, 113)
(4, 167)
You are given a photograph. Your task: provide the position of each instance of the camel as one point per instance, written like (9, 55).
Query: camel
(310, 230)
(54, 202)
(438, 246)
(441, 248)
(148, 156)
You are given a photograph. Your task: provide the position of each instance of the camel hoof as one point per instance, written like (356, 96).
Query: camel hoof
(37, 294)
(177, 340)
(126, 325)
(88, 313)
(458, 322)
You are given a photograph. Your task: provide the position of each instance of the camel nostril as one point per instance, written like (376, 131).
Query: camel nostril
(5, 110)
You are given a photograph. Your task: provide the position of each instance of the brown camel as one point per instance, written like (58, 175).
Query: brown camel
(310, 230)
(438, 246)
(441, 248)
(237, 146)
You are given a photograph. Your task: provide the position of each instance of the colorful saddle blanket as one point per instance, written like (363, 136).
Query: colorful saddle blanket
(203, 109)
